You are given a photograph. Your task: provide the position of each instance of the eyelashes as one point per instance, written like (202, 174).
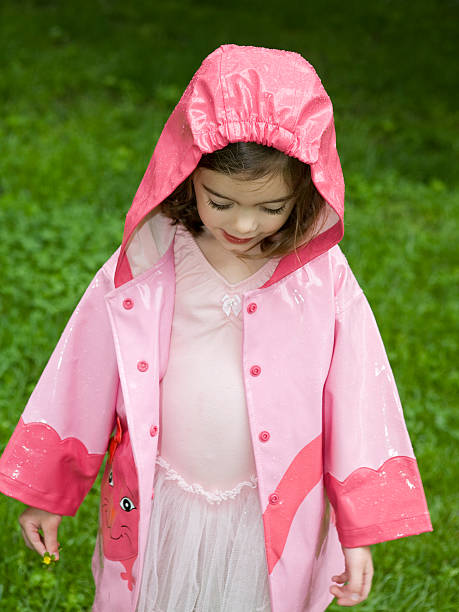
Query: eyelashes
(270, 211)
(218, 206)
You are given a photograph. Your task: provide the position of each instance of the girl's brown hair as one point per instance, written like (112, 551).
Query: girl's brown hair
(249, 161)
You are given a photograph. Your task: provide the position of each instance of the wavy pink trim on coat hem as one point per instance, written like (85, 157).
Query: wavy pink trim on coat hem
(378, 505)
(40, 469)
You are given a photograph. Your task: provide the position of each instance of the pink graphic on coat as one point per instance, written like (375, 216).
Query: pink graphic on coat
(119, 505)
(301, 476)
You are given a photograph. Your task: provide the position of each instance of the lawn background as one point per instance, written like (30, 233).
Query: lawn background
(85, 89)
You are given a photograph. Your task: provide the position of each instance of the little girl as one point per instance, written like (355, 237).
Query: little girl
(258, 445)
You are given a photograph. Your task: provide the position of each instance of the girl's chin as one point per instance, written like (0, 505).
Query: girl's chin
(244, 250)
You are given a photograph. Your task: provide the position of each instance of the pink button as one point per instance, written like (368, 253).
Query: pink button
(255, 370)
(142, 366)
(274, 498)
(251, 308)
(264, 436)
(153, 431)
(128, 303)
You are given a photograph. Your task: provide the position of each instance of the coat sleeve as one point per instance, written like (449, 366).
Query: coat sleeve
(370, 472)
(56, 450)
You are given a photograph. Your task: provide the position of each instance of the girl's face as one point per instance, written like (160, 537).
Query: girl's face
(238, 213)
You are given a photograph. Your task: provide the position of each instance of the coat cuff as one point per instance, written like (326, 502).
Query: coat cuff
(374, 506)
(392, 530)
(43, 471)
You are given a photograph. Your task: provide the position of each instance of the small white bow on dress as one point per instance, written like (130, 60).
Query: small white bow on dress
(231, 302)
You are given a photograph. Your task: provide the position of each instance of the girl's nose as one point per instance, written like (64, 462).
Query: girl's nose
(245, 223)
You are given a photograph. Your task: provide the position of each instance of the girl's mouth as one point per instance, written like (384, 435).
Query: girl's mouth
(235, 240)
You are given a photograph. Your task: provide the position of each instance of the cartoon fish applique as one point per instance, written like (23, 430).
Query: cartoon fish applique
(119, 505)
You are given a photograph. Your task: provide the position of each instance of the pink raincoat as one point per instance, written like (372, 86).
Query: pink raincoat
(325, 418)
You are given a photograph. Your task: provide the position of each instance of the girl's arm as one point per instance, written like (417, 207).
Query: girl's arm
(356, 578)
(32, 520)
(56, 450)
(370, 471)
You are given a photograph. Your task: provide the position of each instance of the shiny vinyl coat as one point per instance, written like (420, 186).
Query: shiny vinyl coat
(334, 461)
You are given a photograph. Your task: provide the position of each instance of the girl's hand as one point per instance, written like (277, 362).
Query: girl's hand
(357, 575)
(34, 519)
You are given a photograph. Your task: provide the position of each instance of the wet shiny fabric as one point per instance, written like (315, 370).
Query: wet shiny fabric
(205, 552)
(324, 413)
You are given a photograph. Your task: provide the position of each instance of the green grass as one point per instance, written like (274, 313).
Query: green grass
(85, 89)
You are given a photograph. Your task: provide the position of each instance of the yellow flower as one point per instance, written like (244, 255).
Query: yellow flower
(48, 559)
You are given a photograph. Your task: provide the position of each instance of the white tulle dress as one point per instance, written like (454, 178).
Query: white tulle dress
(205, 550)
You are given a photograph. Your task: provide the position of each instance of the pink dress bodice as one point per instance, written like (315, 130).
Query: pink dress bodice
(204, 424)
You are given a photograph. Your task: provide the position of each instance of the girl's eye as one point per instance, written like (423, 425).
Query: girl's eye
(126, 504)
(275, 211)
(270, 211)
(218, 206)
(110, 478)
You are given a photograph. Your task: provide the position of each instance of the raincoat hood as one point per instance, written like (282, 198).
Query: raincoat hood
(240, 94)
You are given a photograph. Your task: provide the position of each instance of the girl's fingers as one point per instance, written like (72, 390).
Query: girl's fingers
(32, 538)
(345, 597)
(50, 536)
(26, 539)
(360, 585)
(340, 579)
(367, 579)
(32, 521)
(342, 593)
(356, 582)
(359, 574)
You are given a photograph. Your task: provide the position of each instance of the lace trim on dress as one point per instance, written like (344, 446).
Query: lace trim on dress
(264, 608)
(213, 497)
